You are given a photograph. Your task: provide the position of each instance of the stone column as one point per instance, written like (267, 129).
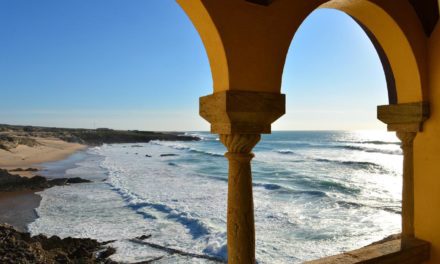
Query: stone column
(407, 120)
(240, 217)
(407, 139)
(240, 117)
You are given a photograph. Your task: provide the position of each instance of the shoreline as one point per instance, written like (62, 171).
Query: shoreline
(33, 159)
(17, 208)
(47, 150)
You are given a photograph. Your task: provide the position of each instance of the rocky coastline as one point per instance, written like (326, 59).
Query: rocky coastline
(18, 185)
(20, 247)
(11, 136)
(11, 182)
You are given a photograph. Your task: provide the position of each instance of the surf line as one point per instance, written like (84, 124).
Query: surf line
(172, 251)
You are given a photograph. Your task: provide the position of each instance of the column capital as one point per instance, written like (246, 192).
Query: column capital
(406, 138)
(240, 143)
(407, 117)
(242, 112)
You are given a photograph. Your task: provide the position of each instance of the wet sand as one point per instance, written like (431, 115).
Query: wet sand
(17, 208)
(49, 149)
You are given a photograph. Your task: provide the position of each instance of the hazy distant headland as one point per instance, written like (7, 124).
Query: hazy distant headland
(13, 135)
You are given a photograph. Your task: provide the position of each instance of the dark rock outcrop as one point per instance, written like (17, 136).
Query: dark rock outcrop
(168, 155)
(107, 253)
(20, 169)
(143, 237)
(77, 180)
(18, 247)
(10, 182)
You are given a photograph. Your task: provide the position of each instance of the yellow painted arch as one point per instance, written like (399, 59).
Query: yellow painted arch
(247, 44)
(211, 39)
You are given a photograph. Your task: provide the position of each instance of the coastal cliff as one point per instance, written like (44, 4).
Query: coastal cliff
(11, 136)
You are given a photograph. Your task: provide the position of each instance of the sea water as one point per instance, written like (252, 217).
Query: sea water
(315, 194)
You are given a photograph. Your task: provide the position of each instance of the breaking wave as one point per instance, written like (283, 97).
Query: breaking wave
(138, 204)
(185, 148)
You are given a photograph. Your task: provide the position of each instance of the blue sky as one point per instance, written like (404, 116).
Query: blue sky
(141, 65)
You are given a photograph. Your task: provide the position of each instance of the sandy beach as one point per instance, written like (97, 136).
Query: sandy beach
(17, 208)
(48, 149)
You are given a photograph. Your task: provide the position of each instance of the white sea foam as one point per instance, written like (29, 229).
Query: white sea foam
(304, 208)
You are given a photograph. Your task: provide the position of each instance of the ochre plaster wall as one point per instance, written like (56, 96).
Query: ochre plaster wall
(254, 39)
(427, 160)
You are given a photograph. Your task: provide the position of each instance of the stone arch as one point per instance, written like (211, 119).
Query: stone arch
(247, 43)
(212, 41)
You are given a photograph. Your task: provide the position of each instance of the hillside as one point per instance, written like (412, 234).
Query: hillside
(11, 136)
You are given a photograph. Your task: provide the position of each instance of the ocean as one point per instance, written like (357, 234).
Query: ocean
(316, 193)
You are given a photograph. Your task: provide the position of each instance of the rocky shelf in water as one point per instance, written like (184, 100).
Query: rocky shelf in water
(10, 182)
(20, 247)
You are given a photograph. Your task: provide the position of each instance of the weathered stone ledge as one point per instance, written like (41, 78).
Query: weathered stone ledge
(389, 252)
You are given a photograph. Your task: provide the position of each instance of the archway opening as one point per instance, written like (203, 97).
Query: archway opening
(335, 193)
(348, 173)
